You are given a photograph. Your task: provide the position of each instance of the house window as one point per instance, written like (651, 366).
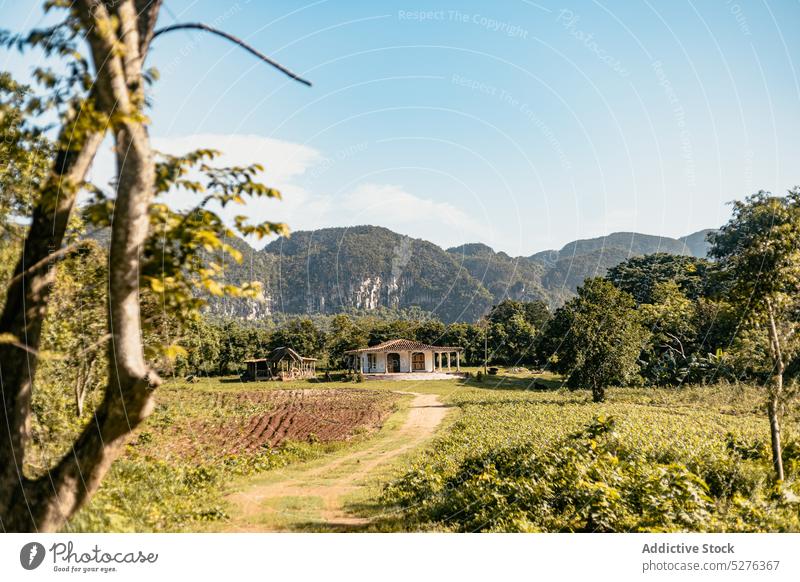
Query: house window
(372, 362)
(418, 362)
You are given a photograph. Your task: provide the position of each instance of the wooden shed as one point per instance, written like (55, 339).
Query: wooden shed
(282, 364)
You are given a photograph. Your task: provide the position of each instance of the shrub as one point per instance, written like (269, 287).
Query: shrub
(594, 479)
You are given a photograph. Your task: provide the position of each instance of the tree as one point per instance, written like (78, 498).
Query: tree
(639, 276)
(397, 329)
(693, 340)
(343, 335)
(596, 338)
(102, 93)
(671, 318)
(72, 372)
(512, 341)
(234, 347)
(430, 332)
(537, 313)
(202, 341)
(759, 248)
(301, 335)
(513, 328)
(468, 336)
(24, 153)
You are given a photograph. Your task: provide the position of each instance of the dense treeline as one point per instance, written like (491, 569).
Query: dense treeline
(658, 320)
(507, 335)
(676, 319)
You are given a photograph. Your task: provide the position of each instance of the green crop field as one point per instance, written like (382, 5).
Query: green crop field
(517, 453)
(694, 459)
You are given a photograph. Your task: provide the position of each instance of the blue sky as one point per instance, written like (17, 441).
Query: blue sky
(519, 124)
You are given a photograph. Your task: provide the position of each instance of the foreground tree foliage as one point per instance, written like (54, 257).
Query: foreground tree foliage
(101, 93)
(24, 153)
(596, 338)
(759, 248)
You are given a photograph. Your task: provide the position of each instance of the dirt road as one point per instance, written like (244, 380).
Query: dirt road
(313, 496)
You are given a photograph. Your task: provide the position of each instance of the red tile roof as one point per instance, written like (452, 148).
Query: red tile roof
(402, 345)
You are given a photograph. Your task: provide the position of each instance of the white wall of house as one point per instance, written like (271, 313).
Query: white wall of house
(405, 362)
(378, 368)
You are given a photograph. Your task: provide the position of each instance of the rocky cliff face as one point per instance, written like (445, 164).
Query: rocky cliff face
(366, 268)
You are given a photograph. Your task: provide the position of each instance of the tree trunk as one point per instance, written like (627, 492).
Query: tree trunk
(44, 504)
(773, 407)
(598, 393)
(26, 302)
(774, 395)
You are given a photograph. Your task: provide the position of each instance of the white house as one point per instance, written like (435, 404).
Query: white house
(407, 357)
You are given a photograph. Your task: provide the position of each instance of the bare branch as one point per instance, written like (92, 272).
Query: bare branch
(680, 343)
(235, 40)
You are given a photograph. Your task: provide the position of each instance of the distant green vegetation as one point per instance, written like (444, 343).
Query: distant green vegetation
(609, 315)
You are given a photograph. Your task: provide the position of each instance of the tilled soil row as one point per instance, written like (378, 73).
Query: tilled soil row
(289, 415)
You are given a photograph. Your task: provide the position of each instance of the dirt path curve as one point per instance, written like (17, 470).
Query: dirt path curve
(312, 496)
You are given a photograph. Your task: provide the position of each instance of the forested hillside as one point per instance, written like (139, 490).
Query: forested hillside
(366, 268)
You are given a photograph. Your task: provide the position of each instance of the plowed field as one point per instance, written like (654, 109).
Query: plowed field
(244, 422)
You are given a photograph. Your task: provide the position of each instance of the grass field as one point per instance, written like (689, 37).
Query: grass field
(516, 453)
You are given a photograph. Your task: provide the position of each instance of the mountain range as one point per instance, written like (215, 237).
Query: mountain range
(366, 268)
